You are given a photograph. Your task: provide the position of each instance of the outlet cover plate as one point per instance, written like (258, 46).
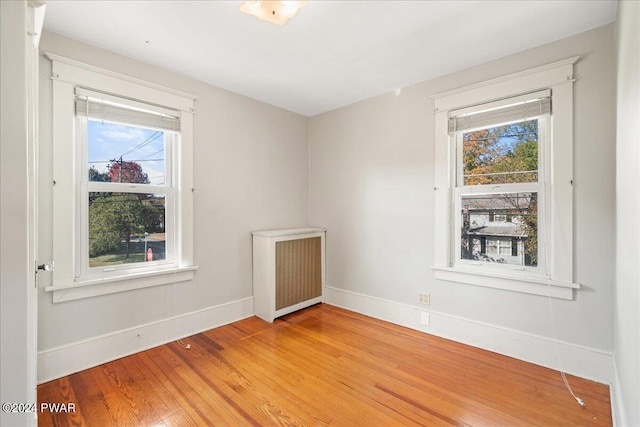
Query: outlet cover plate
(424, 299)
(424, 318)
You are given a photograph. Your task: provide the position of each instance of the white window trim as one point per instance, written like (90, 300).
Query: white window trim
(87, 274)
(558, 280)
(67, 74)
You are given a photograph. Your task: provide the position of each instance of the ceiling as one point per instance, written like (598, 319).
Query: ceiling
(333, 53)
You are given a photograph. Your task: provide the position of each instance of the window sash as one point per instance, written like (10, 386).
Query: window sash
(169, 257)
(171, 140)
(82, 257)
(543, 126)
(499, 217)
(82, 269)
(499, 247)
(503, 246)
(459, 191)
(485, 190)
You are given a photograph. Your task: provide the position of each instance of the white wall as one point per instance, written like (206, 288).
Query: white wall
(371, 186)
(627, 317)
(250, 173)
(18, 382)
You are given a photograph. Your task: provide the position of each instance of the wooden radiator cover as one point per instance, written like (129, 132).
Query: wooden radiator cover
(288, 270)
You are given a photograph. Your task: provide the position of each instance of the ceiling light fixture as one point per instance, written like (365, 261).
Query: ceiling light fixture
(276, 12)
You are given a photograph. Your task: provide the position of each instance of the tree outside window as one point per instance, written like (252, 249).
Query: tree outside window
(491, 157)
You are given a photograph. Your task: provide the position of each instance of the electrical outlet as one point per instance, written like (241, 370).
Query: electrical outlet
(424, 299)
(424, 318)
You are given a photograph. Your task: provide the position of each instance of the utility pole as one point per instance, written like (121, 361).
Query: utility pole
(120, 163)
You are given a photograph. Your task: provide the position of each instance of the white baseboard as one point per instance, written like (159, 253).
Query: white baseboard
(573, 359)
(617, 405)
(577, 360)
(75, 357)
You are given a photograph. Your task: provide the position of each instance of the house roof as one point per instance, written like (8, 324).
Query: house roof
(494, 202)
(507, 230)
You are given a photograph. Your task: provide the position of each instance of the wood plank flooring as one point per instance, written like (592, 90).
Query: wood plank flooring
(323, 366)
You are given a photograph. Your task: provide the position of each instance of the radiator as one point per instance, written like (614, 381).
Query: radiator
(288, 270)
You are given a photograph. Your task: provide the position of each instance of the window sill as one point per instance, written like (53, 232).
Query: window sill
(113, 284)
(535, 285)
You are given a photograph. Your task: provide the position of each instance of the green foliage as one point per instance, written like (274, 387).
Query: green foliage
(501, 154)
(96, 176)
(112, 219)
(528, 214)
(115, 217)
(151, 217)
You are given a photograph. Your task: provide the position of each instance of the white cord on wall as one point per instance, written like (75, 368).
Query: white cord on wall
(555, 337)
(555, 345)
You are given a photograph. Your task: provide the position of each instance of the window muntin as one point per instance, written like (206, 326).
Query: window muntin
(498, 246)
(500, 217)
(498, 196)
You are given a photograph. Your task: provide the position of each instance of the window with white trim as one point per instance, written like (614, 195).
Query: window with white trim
(122, 182)
(500, 172)
(503, 194)
(126, 170)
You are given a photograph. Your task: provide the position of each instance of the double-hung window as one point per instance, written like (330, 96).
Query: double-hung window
(504, 184)
(122, 183)
(499, 172)
(126, 170)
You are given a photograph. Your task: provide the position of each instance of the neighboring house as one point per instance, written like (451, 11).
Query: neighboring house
(494, 228)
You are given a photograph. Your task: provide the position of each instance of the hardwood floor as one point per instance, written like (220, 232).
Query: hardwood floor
(317, 367)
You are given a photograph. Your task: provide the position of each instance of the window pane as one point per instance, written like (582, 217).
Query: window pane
(126, 228)
(486, 240)
(501, 154)
(119, 153)
(500, 218)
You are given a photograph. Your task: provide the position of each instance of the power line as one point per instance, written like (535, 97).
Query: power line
(149, 139)
(162, 149)
(125, 161)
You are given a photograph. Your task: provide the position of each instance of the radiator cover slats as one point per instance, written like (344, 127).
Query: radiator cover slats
(298, 271)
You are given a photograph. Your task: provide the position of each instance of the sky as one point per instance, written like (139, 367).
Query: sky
(109, 141)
